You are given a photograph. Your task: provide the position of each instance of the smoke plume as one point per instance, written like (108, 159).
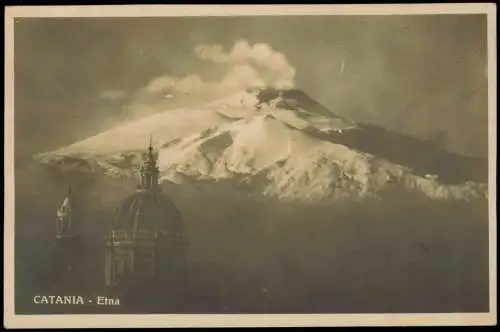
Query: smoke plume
(243, 66)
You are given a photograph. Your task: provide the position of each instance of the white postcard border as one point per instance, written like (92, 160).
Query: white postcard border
(268, 320)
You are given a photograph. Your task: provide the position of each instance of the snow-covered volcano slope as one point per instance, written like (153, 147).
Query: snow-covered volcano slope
(280, 144)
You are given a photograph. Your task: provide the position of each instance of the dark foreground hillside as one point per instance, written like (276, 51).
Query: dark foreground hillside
(402, 254)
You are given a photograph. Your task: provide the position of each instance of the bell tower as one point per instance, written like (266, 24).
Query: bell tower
(67, 217)
(65, 251)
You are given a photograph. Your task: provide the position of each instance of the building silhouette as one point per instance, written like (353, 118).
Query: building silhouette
(146, 244)
(144, 250)
(61, 265)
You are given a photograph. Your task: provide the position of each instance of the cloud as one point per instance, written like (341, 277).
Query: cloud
(165, 84)
(271, 68)
(112, 94)
(243, 66)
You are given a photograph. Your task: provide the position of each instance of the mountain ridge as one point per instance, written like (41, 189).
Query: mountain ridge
(281, 143)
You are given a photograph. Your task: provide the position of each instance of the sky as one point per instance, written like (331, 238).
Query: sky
(419, 75)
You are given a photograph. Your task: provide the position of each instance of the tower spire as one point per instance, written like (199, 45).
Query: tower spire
(67, 215)
(149, 169)
(64, 255)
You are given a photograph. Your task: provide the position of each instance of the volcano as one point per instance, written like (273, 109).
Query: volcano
(278, 193)
(279, 143)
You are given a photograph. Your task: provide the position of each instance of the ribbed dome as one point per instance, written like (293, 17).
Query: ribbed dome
(148, 210)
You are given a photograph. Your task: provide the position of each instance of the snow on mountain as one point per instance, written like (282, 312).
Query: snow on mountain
(266, 141)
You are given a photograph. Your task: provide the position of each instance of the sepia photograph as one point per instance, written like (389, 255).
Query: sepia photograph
(250, 165)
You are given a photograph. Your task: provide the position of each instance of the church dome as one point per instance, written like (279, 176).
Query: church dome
(148, 210)
(147, 241)
(148, 214)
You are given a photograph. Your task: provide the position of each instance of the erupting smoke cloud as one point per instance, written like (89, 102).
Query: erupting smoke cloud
(245, 66)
